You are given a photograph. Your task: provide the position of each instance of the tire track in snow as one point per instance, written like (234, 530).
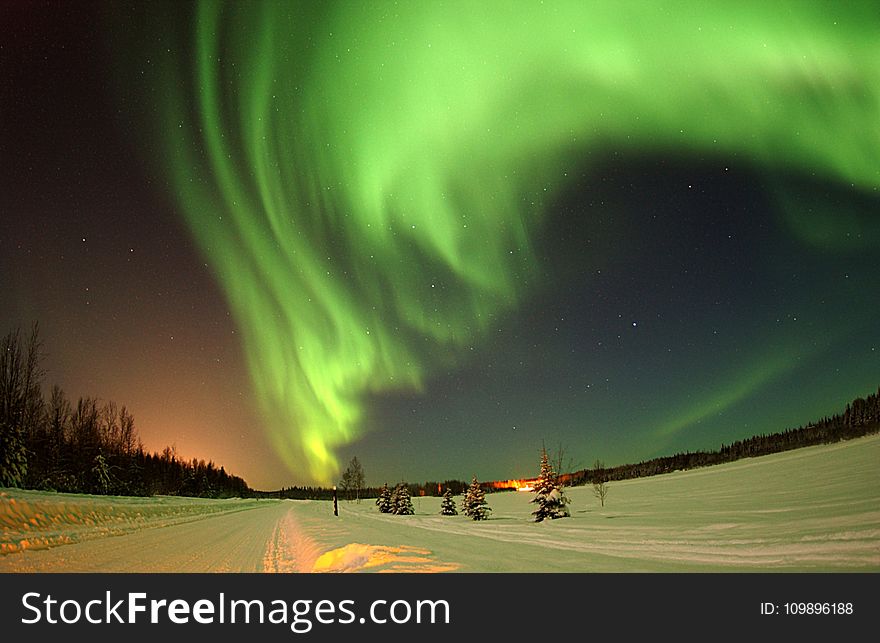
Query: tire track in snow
(290, 549)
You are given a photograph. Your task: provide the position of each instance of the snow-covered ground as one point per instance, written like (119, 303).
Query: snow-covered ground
(814, 509)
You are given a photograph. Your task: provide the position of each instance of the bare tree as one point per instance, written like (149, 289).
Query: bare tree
(56, 425)
(353, 479)
(128, 435)
(562, 464)
(58, 416)
(86, 429)
(357, 477)
(108, 418)
(345, 483)
(600, 481)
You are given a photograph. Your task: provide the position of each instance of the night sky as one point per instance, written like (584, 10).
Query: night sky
(436, 235)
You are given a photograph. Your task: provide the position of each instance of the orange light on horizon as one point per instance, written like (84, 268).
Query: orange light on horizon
(517, 485)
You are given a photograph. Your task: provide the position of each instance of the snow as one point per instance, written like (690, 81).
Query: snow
(813, 509)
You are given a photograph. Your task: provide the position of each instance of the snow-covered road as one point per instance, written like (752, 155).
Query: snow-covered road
(233, 541)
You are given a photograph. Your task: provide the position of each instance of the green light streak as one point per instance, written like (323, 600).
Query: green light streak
(731, 390)
(365, 180)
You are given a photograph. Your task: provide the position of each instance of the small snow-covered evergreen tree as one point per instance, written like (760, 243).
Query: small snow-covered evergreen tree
(466, 502)
(384, 500)
(475, 504)
(447, 507)
(551, 502)
(402, 505)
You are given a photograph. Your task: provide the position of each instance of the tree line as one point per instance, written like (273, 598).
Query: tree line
(861, 417)
(85, 447)
(428, 488)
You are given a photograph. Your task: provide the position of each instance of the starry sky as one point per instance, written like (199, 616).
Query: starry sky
(437, 236)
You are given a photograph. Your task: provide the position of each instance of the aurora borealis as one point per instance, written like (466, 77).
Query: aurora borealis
(446, 232)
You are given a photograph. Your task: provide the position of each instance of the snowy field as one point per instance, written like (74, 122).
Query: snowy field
(814, 509)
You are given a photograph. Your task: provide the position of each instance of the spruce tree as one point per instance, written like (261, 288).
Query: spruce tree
(402, 504)
(447, 507)
(549, 497)
(384, 500)
(393, 499)
(475, 504)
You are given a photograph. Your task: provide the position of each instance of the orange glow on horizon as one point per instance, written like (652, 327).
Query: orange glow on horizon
(525, 484)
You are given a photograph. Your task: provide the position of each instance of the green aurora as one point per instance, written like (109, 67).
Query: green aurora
(366, 180)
